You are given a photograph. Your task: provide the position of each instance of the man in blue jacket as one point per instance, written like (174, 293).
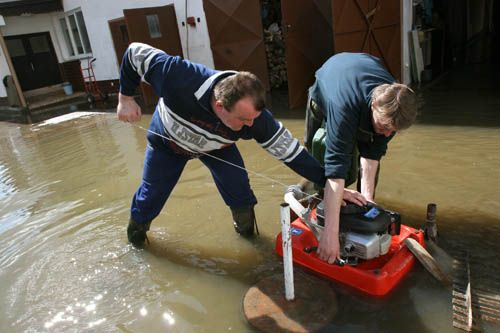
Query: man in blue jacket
(201, 113)
(362, 107)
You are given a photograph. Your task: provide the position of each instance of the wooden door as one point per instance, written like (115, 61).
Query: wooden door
(307, 26)
(370, 26)
(236, 36)
(34, 60)
(119, 34)
(156, 26)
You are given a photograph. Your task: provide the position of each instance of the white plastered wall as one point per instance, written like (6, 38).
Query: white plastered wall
(4, 70)
(97, 13)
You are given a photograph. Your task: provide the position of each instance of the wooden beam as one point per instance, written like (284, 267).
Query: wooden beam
(427, 261)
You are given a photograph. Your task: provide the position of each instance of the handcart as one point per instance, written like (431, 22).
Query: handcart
(94, 94)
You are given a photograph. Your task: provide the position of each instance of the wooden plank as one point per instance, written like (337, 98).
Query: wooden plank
(468, 298)
(427, 261)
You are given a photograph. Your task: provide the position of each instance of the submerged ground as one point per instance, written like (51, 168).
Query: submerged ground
(65, 189)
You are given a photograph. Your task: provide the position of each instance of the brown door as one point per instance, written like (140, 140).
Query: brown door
(370, 26)
(236, 37)
(308, 36)
(119, 34)
(34, 60)
(156, 26)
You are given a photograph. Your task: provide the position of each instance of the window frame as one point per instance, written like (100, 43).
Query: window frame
(73, 46)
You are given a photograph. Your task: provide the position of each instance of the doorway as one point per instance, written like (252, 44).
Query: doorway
(299, 39)
(282, 42)
(34, 60)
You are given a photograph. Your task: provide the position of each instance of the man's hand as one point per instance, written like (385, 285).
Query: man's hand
(128, 110)
(354, 197)
(328, 248)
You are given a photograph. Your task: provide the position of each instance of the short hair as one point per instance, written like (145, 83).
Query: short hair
(235, 87)
(397, 105)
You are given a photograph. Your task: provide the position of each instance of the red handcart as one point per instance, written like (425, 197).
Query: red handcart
(94, 94)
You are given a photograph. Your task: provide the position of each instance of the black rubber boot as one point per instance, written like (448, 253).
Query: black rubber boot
(136, 233)
(244, 220)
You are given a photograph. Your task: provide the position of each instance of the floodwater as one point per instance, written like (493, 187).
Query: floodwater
(65, 189)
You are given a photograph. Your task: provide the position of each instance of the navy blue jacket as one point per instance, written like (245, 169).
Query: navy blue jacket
(343, 89)
(185, 90)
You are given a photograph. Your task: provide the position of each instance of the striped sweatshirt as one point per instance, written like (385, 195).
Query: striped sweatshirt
(185, 90)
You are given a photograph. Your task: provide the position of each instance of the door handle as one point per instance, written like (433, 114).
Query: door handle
(32, 67)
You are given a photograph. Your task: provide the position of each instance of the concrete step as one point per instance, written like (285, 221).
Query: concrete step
(43, 91)
(54, 98)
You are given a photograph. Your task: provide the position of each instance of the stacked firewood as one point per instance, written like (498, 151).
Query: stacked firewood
(275, 51)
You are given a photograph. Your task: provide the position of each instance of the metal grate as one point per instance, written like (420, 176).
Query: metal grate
(475, 295)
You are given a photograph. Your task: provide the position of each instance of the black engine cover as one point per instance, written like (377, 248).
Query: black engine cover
(366, 219)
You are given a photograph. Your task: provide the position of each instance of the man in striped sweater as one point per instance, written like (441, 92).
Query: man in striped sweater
(201, 112)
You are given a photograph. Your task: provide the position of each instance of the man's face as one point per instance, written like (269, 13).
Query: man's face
(243, 113)
(378, 126)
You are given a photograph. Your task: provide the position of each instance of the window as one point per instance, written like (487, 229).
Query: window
(75, 33)
(154, 26)
(67, 39)
(15, 47)
(39, 44)
(83, 31)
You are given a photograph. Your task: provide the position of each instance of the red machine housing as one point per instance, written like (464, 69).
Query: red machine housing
(375, 277)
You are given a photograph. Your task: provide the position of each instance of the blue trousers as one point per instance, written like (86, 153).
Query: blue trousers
(163, 167)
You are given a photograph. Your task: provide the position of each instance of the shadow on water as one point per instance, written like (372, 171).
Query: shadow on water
(245, 266)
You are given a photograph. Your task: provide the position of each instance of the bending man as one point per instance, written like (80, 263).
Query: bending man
(363, 108)
(200, 111)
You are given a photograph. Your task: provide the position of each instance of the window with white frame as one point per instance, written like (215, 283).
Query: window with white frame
(75, 33)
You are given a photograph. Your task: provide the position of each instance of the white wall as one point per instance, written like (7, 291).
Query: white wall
(4, 70)
(97, 13)
(195, 40)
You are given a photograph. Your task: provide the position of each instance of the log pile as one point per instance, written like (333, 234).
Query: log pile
(275, 51)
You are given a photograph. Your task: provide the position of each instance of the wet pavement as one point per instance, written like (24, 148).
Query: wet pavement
(65, 190)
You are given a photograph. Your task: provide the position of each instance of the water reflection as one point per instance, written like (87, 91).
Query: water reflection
(65, 190)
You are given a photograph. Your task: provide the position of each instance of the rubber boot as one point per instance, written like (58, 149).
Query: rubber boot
(244, 220)
(136, 233)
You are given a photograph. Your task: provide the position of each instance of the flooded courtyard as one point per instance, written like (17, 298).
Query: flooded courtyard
(65, 191)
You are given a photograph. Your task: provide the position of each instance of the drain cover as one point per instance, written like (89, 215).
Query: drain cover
(266, 308)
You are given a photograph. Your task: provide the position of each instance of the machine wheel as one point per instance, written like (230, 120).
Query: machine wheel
(91, 99)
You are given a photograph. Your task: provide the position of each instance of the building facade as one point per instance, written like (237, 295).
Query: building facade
(78, 30)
